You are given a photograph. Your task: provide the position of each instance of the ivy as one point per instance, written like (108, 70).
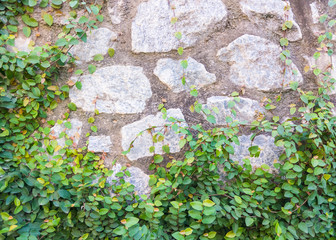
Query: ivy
(49, 191)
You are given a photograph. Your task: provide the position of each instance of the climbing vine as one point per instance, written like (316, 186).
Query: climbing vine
(48, 191)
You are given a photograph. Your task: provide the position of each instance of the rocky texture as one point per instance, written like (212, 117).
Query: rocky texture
(170, 72)
(152, 30)
(269, 153)
(255, 63)
(72, 129)
(116, 11)
(325, 63)
(99, 143)
(142, 144)
(138, 178)
(98, 42)
(114, 89)
(315, 12)
(273, 11)
(246, 109)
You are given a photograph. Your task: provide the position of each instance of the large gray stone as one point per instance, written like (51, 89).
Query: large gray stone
(114, 89)
(73, 133)
(273, 11)
(98, 42)
(99, 143)
(152, 30)
(246, 109)
(142, 144)
(170, 72)
(138, 178)
(269, 153)
(255, 63)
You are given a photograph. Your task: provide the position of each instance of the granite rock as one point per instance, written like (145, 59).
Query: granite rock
(273, 11)
(142, 144)
(152, 30)
(170, 72)
(98, 42)
(246, 109)
(99, 143)
(114, 89)
(255, 63)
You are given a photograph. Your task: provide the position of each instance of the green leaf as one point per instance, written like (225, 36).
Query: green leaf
(94, 128)
(103, 211)
(178, 35)
(208, 203)
(197, 205)
(120, 230)
(92, 68)
(249, 221)
(238, 199)
(48, 19)
(26, 31)
(98, 57)
(111, 52)
(180, 51)
(79, 85)
(72, 106)
(230, 234)
(184, 64)
(158, 158)
(44, 3)
(208, 219)
(31, 22)
(131, 221)
(303, 227)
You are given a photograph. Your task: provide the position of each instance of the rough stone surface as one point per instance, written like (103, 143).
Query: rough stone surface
(115, 11)
(255, 64)
(98, 42)
(144, 142)
(99, 144)
(138, 178)
(170, 71)
(315, 13)
(327, 64)
(152, 30)
(74, 132)
(274, 11)
(114, 89)
(247, 109)
(269, 153)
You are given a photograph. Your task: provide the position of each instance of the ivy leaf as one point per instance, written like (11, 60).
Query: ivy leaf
(184, 64)
(92, 68)
(303, 227)
(26, 31)
(180, 51)
(94, 128)
(249, 221)
(98, 57)
(79, 85)
(48, 19)
(72, 106)
(131, 221)
(111, 52)
(197, 205)
(31, 22)
(208, 203)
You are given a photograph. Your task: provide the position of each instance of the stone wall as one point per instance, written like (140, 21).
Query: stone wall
(231, 45)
